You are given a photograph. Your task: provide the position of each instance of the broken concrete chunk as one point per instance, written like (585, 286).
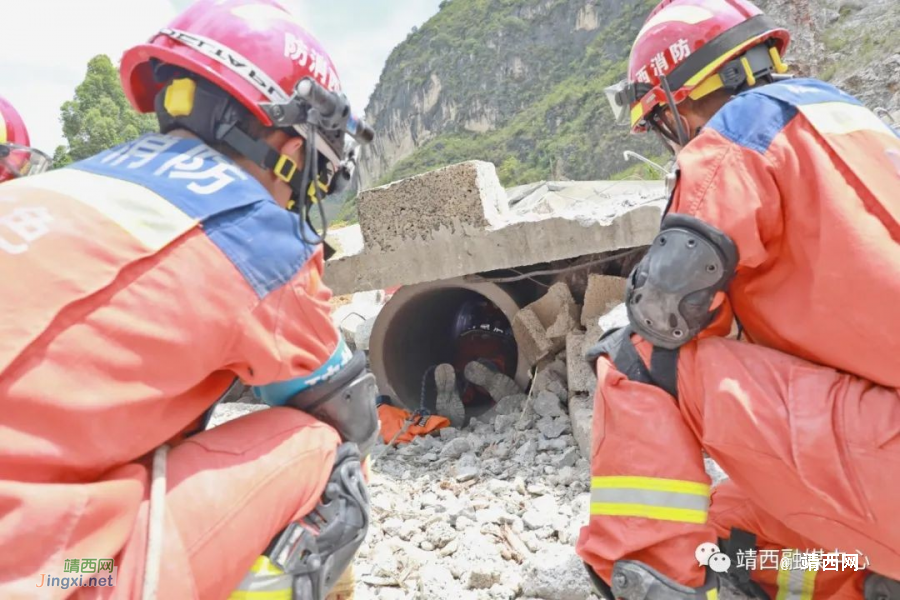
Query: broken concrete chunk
(581, 413)
(364, 334)
(547, 405)
(463, 197)
(581, 376)
(541, 327)
(604, 293)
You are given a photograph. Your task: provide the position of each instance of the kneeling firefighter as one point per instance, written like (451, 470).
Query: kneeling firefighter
(784, 213)
(148, 279)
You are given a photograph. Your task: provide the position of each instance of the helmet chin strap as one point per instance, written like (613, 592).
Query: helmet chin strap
(682, 136)
(309, 192)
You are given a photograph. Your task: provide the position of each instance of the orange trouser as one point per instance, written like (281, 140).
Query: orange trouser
(813, 456)
(231, 490)
(731, 508)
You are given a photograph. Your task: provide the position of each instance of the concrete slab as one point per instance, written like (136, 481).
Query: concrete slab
(473, 231)
(462, 198)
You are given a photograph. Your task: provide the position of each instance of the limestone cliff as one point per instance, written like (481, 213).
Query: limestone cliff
(520, 82)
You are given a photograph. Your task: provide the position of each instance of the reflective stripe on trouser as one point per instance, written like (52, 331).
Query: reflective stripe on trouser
(265, 581)
(795, 584)
(650, 498)
(649, 488)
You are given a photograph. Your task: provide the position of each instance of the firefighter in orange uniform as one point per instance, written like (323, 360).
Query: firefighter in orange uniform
(784, 214)
(144, 281)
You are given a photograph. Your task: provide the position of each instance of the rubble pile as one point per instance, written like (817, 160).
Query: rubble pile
(492, 511)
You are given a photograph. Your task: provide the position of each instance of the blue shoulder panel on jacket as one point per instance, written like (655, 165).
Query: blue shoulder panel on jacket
(754, 118)
(260, 238)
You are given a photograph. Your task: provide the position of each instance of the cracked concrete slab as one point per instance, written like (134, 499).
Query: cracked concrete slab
(459, 220)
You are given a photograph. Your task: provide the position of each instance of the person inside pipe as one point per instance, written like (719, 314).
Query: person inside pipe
(483, 363)
(147, 279)
(785, 214)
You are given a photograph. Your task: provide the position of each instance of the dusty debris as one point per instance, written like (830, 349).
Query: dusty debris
(541, 327)
(489, 511)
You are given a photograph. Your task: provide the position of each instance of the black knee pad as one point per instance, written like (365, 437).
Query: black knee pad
(317, 550)
(879, 587)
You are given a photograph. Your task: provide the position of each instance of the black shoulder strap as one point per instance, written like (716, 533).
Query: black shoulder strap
(664, 369)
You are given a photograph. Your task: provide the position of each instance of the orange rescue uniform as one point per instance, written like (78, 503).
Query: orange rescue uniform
(139, 284)
(806, 419)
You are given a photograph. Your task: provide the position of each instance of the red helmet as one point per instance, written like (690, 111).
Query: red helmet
(690, 48)
(255, 50)
(17, 157)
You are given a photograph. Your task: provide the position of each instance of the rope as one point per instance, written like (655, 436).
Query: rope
(156, 521)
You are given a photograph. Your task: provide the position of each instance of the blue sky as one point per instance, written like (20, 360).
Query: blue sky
(49, 42)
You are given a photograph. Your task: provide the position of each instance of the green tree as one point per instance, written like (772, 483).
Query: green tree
(99, 116)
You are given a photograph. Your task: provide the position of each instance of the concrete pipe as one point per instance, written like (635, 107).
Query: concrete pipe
(413, 329)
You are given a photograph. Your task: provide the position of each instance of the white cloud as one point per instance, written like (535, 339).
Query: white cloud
(55, 39)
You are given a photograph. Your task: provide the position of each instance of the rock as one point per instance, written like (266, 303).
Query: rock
(519, 484)
(534, 519)
(559, 444)
(440, 534)
(566, 476)
(559, 390)
(498, 486)
(409, 529)
(463, 523)
(363, 334)
(436, 581)
(448, 433)
(567, 459)
(525, 422)
(501, 592)
(603, 294)
(546, 505)
(493, 465)
(526, 452)
(504, 423)
(391, 526)
(449, 549)
(467, 473)
(581, 376)
(456, 447)
(537, 489)
(581, 415)
(383, 503)
(427, 546)
(511, 405)
(541, 327)
(490, 515)
(556, 573)
(482, 576)
(547, 405)
(553, 428)
(477, 442)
